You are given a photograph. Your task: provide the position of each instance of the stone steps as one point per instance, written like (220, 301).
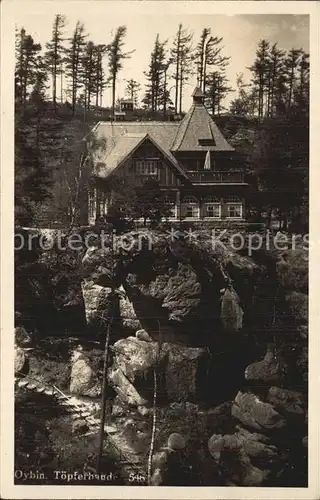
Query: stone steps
(129, 461)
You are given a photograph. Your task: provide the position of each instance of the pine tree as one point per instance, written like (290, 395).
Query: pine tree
(100, 81)
(292, 65)
(208, 53)
(116, 57)
(132, 89)
(244, 104)
(181, 57)
(74, 54)
(276, 69)
(28, 65)
(55, 52)
(302, 84)
(201, 54)
(156, 95)
(261, 75)
(88, 73)
(216, 90)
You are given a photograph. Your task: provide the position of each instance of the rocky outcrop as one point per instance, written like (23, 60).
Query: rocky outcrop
(134, 362)
(19, 360)
(48, 297)
(256, 414)
(176, 284)
(215, 327)
(96, 304)
(86, 370)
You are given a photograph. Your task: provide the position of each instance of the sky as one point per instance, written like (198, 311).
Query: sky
(240, 33)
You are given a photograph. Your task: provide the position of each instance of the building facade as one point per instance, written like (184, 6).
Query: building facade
(199, 172)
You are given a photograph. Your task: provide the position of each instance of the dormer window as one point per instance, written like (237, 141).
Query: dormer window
(206, 142)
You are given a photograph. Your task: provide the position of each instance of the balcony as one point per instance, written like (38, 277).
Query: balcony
(214, 177)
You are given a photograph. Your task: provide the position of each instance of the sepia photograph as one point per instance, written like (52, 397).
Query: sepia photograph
(161, 247)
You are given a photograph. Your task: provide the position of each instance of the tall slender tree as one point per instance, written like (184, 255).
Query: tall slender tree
(55, 52)
(100, 78)
(74, 55)
(116, 56)
(261, 74)
(87, 73)
(181, 57)
(200, 55)
(216, 90)
(29, 64)
(132, 89)
(276, 69)
(292, 64)
(154, 96)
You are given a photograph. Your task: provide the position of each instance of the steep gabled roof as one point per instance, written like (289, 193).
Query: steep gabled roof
(196, 132)
(198, 125)
(122, 139)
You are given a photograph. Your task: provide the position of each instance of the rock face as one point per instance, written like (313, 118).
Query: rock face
(19, 360)
(85, 378)
(256, 414)
(208, 325)
(127, 312)
(48, 297)
(271, 369)
(176, 285)
(134, 361)
(229, 453)
(95, 302)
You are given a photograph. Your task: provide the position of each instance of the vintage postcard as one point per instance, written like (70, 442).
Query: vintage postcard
(159, 217)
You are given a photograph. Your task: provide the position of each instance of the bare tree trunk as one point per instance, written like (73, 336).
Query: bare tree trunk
(181, 89)
(61, 86)
(177, 72)
(113, 94)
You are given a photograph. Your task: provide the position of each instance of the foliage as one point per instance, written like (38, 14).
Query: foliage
(54, 56)
(280, 81)
(181, 58)
(29, 65)
(132, 89)
(216, 90)
(74, 54)
(116, 57)
(152, 203)
(208, 53)
(157, 95)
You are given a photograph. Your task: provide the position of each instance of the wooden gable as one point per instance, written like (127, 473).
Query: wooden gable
(140, 166)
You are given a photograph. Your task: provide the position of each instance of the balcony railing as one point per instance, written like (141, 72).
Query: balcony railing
(214, 177)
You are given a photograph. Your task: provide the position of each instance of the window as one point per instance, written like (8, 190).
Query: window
(234, 205)
(191, 207)
(206, 142)
(212, 207)
(146, 167)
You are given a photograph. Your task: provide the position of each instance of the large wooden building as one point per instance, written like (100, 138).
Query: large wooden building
(196, 167)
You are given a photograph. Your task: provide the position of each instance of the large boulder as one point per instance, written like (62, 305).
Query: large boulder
(134, 362)
(272, 369)
(256, 414)
(48, 293)
(292, 404)
(86, 371)
(128, 315)
(95, 302)
(234, 462)
(176, 284)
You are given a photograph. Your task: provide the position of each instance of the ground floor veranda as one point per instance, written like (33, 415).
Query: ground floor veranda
(209, 203)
